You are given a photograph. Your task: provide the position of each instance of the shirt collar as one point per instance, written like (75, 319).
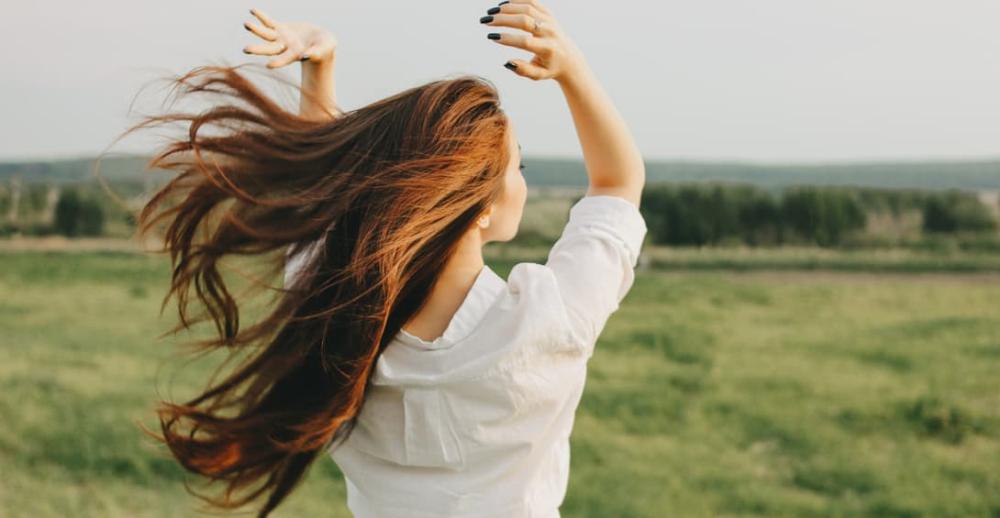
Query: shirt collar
(470, 313)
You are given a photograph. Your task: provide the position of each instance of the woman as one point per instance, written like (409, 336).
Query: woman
(438, 387)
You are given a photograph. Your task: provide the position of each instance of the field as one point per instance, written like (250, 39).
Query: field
(711, 394)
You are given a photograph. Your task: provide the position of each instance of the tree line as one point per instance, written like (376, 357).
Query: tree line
(709, 214)
(677, 214)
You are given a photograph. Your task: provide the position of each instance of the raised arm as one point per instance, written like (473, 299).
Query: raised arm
(308, 44)
(318, 82)
(613, 161)
(593, 261)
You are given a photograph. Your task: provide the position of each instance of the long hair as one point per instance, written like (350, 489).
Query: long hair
(383, 194)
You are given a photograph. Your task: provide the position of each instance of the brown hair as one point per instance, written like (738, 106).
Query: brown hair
(385, 191)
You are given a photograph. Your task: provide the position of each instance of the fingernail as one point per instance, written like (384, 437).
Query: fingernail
(304, 58)
(493, 35)
(493, 10)
(504, 2)
(245, 51)
(486, 19)
(510, 65)
(246, 26)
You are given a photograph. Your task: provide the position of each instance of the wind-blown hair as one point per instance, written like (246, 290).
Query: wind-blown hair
(385, 191)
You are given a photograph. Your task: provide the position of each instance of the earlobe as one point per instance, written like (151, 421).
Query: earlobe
(484, 220)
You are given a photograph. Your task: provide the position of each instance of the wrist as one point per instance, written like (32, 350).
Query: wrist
(576, 72)
(318, 97)
(317, 61)
(317, 72)
(575, 77)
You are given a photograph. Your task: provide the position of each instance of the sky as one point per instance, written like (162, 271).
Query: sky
(761, 80)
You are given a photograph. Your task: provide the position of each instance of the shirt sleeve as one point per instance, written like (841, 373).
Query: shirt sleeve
(594, 262)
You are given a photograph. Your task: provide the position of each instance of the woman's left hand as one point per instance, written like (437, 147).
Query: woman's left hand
(290, 41)
(556, 55)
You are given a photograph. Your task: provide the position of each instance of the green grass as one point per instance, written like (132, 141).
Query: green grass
(893, 260)
(786, 258)
(709, 394)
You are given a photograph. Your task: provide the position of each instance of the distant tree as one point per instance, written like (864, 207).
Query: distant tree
(91, 218)
(955, 211)
(823, 215)
(760, 219)
(67, 213)
(709, 214)
(686, 221)
(78, 216)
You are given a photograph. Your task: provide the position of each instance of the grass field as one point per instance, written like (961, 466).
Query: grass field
(710, 394)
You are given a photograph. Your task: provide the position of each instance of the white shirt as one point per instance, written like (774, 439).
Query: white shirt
(476, 423)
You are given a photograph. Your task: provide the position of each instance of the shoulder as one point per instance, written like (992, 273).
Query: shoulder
(533, 311)
(535, 286)
(530, 353)
(531, 279)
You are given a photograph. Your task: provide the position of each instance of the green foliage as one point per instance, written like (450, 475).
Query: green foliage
(78, 216)
(954, 211)
(760, 218)
(747, 210)
(705, 214)
(713, 214)
(823, 216)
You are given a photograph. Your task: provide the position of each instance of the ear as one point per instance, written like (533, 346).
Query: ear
(484, 220)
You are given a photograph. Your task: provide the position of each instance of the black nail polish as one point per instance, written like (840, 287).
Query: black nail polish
(510, 65)
(245, 51)
(486, 19)
(504, 2)
(304, 58)
(493, 10)
(493, 35)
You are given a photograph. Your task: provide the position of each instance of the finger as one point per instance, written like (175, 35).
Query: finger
(285, 58)
(533, 3)
(265, 19)
(519, 40)
(265, 49)
(526, 69)
(263, 32)
(516, 21)
(527, 9)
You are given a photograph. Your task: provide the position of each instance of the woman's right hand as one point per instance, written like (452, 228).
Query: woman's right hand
(556, 56)
(290, 41)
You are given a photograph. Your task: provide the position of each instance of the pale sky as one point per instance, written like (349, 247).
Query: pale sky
(763, 80)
